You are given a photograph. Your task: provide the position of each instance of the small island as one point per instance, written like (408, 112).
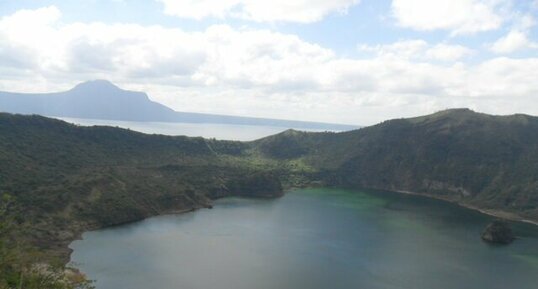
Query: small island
(498, 232)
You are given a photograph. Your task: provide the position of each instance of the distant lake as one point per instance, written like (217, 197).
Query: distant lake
(311, 239)
(207, 130)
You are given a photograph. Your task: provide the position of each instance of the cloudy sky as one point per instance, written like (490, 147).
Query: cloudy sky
(347, 61)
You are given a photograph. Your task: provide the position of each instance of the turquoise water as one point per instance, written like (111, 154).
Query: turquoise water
(311, 239)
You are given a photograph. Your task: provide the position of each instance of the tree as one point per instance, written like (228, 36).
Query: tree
(8, 256)
(17, 271)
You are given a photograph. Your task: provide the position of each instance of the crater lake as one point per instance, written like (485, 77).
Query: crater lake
(312, 239)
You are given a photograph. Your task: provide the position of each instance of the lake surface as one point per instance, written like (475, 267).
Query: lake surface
(311, 239)
(207, 130)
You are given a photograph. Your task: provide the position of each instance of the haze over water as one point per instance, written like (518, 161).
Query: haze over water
(206, 130)
(311, 239)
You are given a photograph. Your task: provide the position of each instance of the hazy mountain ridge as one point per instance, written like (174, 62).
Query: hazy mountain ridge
(100, 99)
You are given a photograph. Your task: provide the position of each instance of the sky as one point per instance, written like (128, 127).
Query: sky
(342, 61)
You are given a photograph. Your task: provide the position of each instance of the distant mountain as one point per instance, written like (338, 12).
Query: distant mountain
(100, 99)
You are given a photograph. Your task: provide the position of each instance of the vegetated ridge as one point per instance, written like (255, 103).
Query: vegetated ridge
(64, 179)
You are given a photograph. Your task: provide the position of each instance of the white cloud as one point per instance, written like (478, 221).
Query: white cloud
(258, 72)
(446, 52)
(402, 49)
(518, 37)
(419, 50)
(304, 11)
(515, 40)
(258, 57)
(25, 36)
(457, 16)
(524, 22)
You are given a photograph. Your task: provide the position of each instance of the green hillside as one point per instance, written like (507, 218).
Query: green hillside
(490, 162)
(60, 180)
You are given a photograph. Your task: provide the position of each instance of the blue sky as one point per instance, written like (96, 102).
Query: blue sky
(367, 22)
(345, 61)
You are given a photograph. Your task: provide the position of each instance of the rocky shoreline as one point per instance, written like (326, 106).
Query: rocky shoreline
(491, 212)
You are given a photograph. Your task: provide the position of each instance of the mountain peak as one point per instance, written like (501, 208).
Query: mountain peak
(459, 114)
(463, 110)
(99, 85)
